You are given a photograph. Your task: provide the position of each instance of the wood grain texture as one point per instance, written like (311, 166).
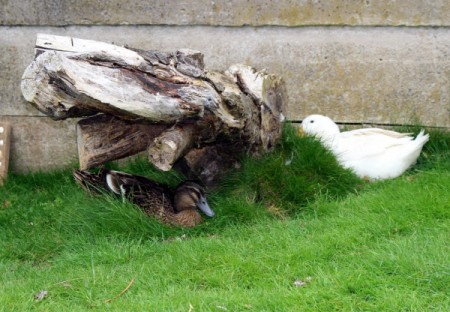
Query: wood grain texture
(5, 135)
(170, 146)
(103, 138)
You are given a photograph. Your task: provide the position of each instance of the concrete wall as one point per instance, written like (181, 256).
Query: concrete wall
(380, 62)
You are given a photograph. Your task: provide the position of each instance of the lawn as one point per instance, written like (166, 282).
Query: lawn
(293, 232)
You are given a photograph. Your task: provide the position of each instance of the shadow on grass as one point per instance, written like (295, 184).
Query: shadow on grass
(294, 175)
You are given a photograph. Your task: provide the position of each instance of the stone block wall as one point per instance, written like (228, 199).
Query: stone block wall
(371, 62)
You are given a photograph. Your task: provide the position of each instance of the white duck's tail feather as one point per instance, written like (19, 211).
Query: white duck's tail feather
(414, 148)
(422, 138)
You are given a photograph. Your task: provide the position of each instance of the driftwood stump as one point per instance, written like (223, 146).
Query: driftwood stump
(165, 103)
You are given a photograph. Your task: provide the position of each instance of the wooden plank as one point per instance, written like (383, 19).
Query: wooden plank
(5, 132)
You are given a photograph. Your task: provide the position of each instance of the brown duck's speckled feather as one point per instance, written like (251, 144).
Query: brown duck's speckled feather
(174, 207)
(90, 182)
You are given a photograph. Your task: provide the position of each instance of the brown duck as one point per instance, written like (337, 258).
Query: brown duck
(175, 207)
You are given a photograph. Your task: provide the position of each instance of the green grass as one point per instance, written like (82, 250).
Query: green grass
(356, 246)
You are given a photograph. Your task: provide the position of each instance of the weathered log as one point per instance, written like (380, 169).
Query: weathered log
(103, 138)
(71, 77)
(66, 85)
(240, 108)
(171, 145)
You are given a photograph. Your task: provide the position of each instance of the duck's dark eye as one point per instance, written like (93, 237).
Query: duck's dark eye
(312, 121)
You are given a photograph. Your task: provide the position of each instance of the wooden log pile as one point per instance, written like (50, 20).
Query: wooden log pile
(164, 103)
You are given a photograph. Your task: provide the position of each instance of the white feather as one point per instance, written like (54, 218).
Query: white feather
(112, 184)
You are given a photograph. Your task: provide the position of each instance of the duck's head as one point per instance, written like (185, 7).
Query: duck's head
(190, 195)
(321, 127)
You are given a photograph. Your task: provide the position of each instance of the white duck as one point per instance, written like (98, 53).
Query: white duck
(372, 153)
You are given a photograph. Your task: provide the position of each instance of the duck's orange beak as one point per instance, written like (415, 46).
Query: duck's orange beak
(300, 132)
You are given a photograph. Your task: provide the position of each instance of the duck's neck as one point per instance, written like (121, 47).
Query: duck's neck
(329, 136)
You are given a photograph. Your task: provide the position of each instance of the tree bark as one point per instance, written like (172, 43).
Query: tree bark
(102, 138)
(186, 106)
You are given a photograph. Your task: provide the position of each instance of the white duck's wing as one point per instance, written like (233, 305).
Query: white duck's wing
(369, 142)
(377, 132)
